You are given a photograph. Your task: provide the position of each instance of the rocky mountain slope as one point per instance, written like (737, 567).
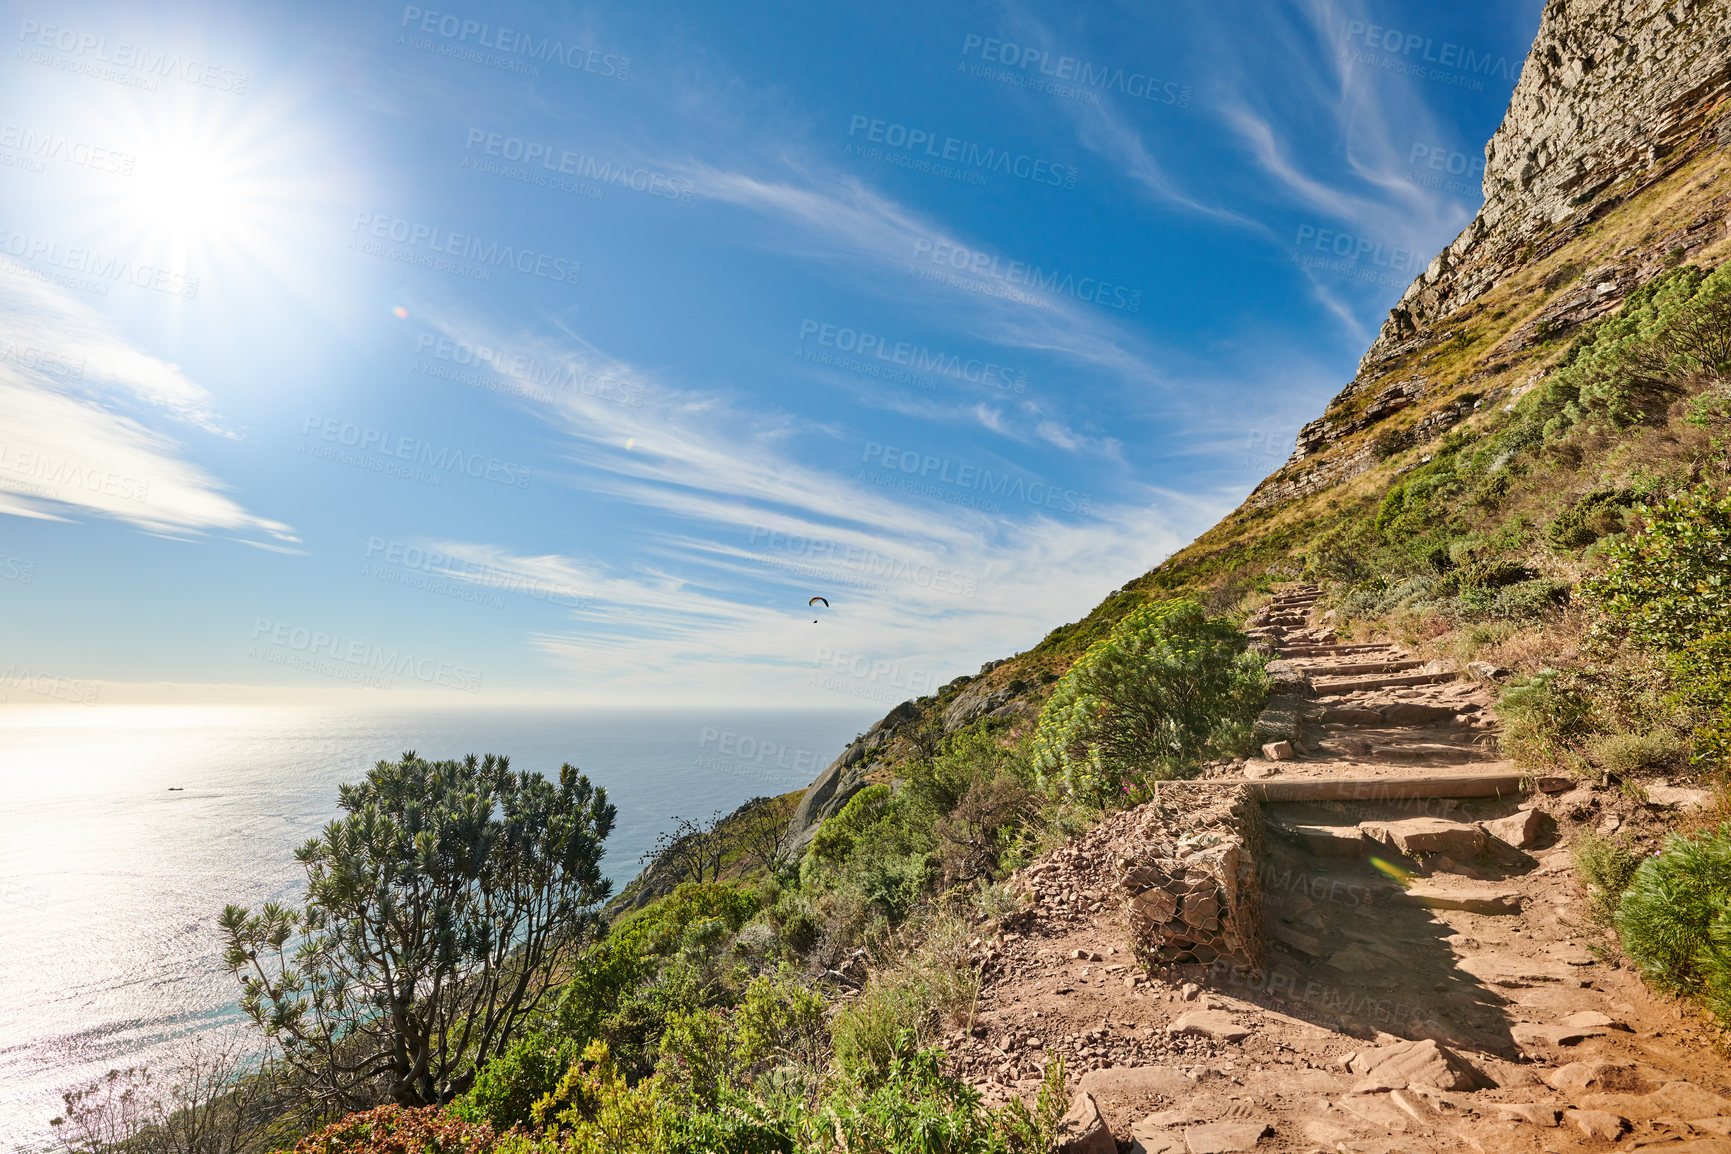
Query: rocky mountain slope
(1605, 173)
(1423, 981)
(1410, 963)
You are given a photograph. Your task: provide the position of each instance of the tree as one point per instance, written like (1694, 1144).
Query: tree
(1168, 685)
(1667, 593)
(210, 1103)
(437, 912)
(759, 830)
(692, 851)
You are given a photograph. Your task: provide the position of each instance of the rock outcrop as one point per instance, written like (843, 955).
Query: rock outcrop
(1615, 96)
(1610, 91)
(845, 776)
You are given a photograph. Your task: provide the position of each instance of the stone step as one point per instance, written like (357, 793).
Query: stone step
(1398, 714)
(1429, 752)
(1347, 668)
(1324, 840)
(1394, 681)
(1400, 788)
(1332, 650)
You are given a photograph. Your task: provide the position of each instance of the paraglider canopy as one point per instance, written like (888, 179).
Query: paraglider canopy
(815, 600)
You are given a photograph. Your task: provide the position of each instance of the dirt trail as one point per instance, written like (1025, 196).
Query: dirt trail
(1426, 984)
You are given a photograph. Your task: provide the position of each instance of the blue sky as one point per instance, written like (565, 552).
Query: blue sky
(544, 353)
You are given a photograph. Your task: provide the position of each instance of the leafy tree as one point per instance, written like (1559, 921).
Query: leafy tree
(1667, 593)
(438, 911)
(692, 851)
(1165, 687)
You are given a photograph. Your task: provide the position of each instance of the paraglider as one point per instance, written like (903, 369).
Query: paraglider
(814, 601)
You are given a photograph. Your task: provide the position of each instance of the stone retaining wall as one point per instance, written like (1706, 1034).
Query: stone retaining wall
(1187, 870)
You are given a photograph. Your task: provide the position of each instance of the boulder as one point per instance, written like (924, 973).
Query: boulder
(973, 703)
(1278, 751)
(1536, 1113)
(1216, 1024)
(1414, 713)
(1599, 1075)
(1082, 1130)
(846, 776)
(1571, 1030)
(1519, 830)
(1326, 840)
(1223, 1137)
(1687, 1100)
(1350, 715)
(1137, 1082)
(1146, 1139)
(1673, 797)
(1416, 835)
(1405, 1064)
(1599, 1124)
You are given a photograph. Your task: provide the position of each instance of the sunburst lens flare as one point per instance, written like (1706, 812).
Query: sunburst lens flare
(1390, 869)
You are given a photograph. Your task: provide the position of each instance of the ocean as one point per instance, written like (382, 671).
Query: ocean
(111, 881)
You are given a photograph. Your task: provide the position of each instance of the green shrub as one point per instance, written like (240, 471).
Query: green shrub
(1626, 754)
(1666, 593)
(693, 1054)
(910, 1000)
(836, 836)
(796, 923)
(780, 1019)
(1165, 689)
(1529, 600)
(1675, 919)
(918, 1109)
(1543, 716)
(507, 1088)
(1605, 866)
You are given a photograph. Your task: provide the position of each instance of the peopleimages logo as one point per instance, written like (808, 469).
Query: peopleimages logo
(395, 447)
(438, 242)
(923, 466)
(1349, 247)
(513, 42)
(106, 267)
(950, 150)
(84, 47)
(54, 146)
(1071, 69)
(298, 647)
(1447, 54)
(564, 162)
(917, 358)
(47, 685)
(1014, 272)
(530, 370)
(860, 560)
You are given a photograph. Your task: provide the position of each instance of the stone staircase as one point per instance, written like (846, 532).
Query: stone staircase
(1425, 984)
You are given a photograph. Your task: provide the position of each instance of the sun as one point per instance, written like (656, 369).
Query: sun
(219, 184)
(186, 188)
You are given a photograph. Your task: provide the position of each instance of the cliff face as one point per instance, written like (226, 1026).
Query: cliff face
(1615, 96)
(1610, 90)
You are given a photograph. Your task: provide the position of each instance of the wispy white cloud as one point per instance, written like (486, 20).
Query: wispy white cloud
(75, 395)
(743, 531)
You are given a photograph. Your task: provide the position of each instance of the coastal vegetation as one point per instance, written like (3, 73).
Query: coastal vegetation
(449, 985)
